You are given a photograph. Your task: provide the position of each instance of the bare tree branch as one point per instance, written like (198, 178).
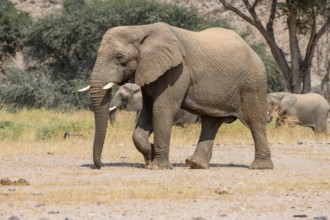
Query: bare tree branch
(313, 40)
(270, 23)
(238, 12)
(310, 51)
(255, 3)
(254, 15)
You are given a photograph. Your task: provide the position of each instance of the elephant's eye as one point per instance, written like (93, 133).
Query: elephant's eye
(119, 57)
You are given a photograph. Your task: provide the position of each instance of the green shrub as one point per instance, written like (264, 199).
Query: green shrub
(9, 129)
(12, 22)
(57, 129)
(30, 89)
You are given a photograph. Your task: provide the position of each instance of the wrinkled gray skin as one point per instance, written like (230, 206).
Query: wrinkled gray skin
(311, 109)
(129, 98)
(213, 73)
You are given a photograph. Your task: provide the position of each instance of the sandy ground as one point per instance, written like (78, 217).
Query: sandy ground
(63, 186)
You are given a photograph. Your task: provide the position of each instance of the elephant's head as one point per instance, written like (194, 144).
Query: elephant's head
(128, 97)
(144, 52)
(274, 112)
(273, 100)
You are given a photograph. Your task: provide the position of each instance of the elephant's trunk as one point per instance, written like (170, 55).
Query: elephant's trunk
(100, 100)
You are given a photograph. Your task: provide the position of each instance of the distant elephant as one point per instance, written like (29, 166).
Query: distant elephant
(310, 110)
(213, 73)
(129, 97)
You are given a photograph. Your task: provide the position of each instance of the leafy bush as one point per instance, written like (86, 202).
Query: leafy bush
(10, 129)
(11, 23)
(34, 88)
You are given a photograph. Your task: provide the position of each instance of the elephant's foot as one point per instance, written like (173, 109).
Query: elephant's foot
(147, 160)
(262, 164)
(147, 157)
(159, 164)
(197, 163)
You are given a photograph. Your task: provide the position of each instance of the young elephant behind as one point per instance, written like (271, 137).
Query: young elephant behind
(129, 97)
(310, 110)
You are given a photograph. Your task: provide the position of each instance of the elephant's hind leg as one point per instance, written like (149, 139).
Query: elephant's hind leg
(262, 158)
(255, 119)
(203, 153)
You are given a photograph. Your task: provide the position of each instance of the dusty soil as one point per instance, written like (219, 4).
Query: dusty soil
(63, 184)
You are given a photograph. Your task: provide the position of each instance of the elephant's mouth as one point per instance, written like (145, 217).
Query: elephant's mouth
(124, 81)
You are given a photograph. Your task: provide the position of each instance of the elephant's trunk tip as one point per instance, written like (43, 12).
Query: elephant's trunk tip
(98, 164)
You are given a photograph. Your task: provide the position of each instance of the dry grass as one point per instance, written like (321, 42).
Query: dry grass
(32, 120)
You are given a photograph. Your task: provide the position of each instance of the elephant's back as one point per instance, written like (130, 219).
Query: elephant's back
(314, 98)
(220, 48)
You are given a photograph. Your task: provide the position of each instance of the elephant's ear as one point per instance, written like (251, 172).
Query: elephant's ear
(160, 50)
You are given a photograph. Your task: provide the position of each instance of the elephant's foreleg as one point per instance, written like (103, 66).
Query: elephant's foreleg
(321, 124)
(162, 123)
(141, 134)
(203, 153)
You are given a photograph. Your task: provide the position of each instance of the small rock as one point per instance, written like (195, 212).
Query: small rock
(300, 216)
(223, 190)
(5, 181)
(22, 182)
(54, 212)
(14, 218)
(40, 205)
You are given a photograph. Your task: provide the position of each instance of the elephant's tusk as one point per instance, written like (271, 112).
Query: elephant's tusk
(112, 108)
(84, 89)
(108, 86)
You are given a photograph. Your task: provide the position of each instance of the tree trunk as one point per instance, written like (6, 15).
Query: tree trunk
(296, 60)
(325, 85)
(306, 81)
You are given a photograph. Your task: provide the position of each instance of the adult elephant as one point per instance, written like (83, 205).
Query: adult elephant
(310, 109)
(213, 73)
(129, 97)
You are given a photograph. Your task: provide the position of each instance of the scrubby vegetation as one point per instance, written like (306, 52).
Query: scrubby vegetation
(45, 125)
(62, 49)
(12, 23)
